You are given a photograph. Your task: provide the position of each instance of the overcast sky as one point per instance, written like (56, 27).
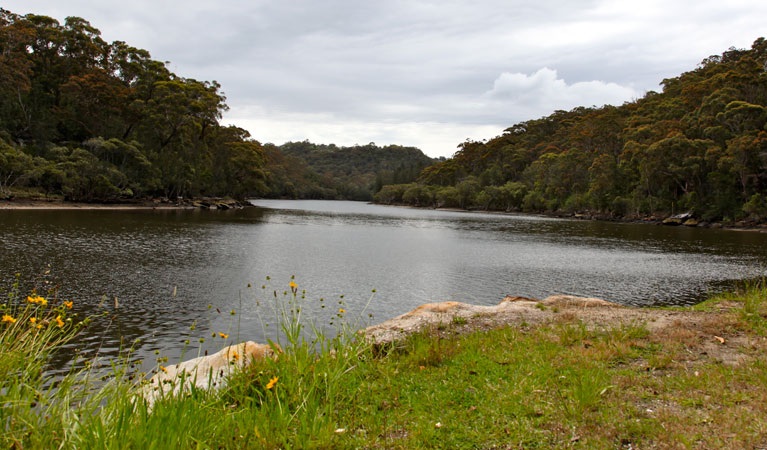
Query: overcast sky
(429, 74)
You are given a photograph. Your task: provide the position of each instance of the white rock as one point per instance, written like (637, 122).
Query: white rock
(205, 372)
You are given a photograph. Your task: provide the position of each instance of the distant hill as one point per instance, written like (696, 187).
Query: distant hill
(698, 146)
(307, 170)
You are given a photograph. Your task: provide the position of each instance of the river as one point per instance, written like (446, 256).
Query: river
(169, 278)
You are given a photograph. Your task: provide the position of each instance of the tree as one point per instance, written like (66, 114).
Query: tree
(110, 122)
(740, 117)
(15, 73)
(129, 159)
(15, 167)
(88, 179)
(743, 158)
(237, 163)
(756, 207)
(467, 190)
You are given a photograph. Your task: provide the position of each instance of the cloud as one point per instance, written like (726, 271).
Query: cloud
(544, 92)
(434, 138)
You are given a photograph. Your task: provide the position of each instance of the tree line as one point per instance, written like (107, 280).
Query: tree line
(699, 145)
(97, 121)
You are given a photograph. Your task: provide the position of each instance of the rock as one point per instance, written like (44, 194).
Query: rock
(571, 300)
(691, 223)
(678, 219)
(436, 314)
(205, 372)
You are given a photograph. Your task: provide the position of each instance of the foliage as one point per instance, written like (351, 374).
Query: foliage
(553, 385)
(700, 145)
(95, 121)
(32, 328)
(313, 171)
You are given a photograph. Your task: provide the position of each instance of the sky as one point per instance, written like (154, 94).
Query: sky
(429, 74)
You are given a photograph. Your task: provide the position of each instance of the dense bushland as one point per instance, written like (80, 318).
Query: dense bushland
(95, 121)
(699, 145)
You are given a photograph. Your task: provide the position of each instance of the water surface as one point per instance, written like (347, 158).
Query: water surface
(170, 269)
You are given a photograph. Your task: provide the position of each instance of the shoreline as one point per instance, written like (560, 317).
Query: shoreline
(224, 204)
(755, 227)
(57, 204)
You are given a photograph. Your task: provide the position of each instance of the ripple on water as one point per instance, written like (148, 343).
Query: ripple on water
(165, 268)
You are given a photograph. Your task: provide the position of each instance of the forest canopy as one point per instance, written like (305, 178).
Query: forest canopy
(698, 146)
(98, 121)
(89, 120)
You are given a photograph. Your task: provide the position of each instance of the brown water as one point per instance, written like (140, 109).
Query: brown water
(170, 269)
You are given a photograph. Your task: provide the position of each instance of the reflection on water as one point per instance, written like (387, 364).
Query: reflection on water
(171, 269)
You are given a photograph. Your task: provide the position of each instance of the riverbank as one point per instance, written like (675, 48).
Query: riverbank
(564, 372)
(54, 204)
(225, 204)
(682, 220)
(679, 220)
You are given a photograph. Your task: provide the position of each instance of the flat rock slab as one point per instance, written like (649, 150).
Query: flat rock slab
(511, 310)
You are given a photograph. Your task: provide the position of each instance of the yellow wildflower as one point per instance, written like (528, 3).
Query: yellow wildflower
(37, 300)
(33, 320)
(293, 286)
(8, 319)
(235, 356)
(59, 322)
(341, 311)
(224, 335)
(68, 304)
(272, 383)
(163, 369)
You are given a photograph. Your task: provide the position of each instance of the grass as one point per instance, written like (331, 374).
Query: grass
(556, 385)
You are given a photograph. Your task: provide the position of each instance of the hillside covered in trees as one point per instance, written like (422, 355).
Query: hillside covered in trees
(315, 171)
(97, 121)
(86, 120)
(700, 145)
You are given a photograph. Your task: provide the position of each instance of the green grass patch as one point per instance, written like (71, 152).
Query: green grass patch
(556, 385)
(751, 301)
